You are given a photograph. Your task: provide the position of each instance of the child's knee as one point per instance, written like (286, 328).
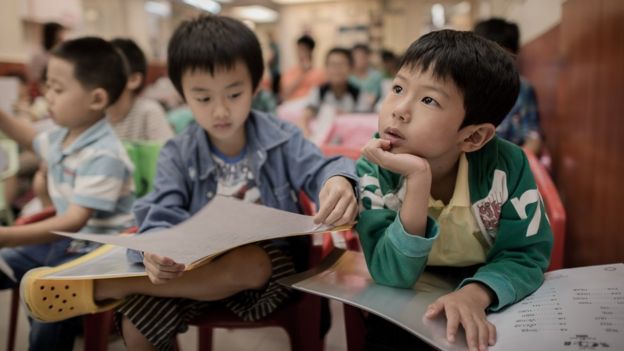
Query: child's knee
(257, 268)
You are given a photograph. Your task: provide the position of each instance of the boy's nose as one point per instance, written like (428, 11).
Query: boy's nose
(403, 109)
(221, 109)
(402, 113)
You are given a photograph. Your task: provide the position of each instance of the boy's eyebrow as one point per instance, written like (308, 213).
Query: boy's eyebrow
(202, 89)
(401, 77)
(426, 86)
(52, 81)
(436, 89)
(235, 84)
(199, 89)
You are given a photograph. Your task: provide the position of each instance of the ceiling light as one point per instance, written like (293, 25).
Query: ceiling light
(206, 5)
(158, 8)
(256, 13)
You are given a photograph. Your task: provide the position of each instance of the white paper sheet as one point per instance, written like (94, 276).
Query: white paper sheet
(7, 270)
(575, 309)
(110, 264)
(222, 225)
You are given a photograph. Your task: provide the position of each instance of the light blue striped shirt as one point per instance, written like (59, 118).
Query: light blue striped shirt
(93, 172)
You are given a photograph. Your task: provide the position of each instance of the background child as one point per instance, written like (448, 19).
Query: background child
(297, 81)
(134, 117)
(89, 174)
(338, 92)
(522, 124)
(440, 189)
(216, 65)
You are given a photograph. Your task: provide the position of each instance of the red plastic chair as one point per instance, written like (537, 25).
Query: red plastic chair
(554, 209)
(96, 327)
(300, 318)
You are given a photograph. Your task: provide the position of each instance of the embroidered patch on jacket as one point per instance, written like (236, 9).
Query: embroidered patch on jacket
(488, 209)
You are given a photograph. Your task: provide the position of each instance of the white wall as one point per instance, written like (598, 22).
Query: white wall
(321, 21)
(12, 48)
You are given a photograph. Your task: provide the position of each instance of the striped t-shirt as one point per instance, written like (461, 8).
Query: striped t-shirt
(93, 172)
(146, 121)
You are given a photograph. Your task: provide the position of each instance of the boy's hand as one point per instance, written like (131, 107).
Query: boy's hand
(161, 269)
(338, 204)
(467, 306)
(378, 152)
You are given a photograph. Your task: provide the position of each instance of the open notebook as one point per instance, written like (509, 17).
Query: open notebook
(575, 309)
(221, 225)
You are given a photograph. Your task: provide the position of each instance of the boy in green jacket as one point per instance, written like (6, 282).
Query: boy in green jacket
(438, 188)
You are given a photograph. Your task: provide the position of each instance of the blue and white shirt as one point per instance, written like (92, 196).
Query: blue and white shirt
(93, 172)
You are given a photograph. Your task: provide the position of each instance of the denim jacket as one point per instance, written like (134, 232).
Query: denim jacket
(282, 160)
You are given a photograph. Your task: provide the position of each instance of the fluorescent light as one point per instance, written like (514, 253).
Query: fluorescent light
(291, 2)
(158, 8)
(256, 13)
(206, 5)
(437, 15)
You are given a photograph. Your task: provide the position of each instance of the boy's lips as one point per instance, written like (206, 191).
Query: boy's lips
(223, 125)
(393, 135)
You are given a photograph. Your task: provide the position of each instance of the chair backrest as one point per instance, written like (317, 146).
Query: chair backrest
(144, 156)
(554, 209)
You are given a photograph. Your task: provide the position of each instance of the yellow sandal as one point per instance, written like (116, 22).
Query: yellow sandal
(48, 300)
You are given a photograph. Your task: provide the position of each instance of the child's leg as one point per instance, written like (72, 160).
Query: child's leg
(42, 336)
(19, 263)
(149, 322)
(133, 338)
(57, 336)
(247, 267)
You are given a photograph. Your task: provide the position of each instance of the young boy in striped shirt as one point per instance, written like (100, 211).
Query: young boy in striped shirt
(89, 173)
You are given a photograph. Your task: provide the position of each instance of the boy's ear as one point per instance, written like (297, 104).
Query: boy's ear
(98, 99)
(473, 137)
(134, 81)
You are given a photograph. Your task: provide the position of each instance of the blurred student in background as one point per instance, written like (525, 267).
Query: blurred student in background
(134, 117)
(299, 80)
(338, 93)
(522, 125)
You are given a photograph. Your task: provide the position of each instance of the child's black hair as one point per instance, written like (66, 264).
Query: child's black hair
(97, 64)
(306, 41)
(50, 34)
(484, 72)
(504, 33)
(212, 42)
(340, 51)
(134, 56)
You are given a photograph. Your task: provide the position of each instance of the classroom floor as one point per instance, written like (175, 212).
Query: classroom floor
(264, 339)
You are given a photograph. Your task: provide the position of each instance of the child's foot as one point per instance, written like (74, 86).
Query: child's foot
(54, 300)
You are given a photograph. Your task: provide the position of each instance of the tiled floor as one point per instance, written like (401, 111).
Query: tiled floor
(265, 339)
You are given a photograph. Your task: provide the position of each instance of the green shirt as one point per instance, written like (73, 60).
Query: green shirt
(507, 208)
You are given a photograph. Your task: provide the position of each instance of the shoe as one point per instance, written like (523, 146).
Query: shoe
(52, 300)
